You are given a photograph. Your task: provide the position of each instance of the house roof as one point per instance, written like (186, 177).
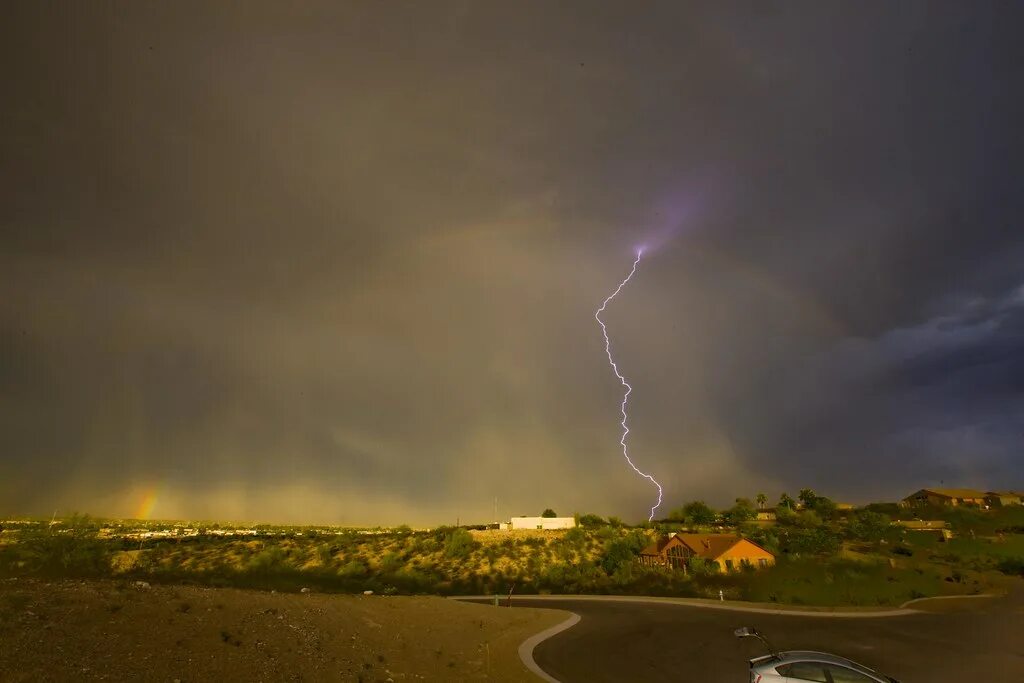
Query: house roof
(704, 546)
(953, 493)
(1008, 494)
(709, 546)
(656, 547)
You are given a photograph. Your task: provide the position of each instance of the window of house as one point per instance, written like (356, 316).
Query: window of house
(762, 563)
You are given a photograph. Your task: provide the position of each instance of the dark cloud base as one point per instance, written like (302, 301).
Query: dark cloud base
(340, 263)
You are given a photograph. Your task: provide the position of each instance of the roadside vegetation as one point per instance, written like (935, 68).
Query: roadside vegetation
(825, 556)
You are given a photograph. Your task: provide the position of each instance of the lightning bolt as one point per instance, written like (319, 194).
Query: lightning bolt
(629, 389)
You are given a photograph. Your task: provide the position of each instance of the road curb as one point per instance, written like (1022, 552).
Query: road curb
(527, 646)
(950, 597)
(682, 602)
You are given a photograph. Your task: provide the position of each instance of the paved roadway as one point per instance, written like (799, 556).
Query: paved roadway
(969, 640)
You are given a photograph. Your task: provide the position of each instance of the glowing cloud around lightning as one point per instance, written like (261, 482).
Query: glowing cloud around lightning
(629, 389)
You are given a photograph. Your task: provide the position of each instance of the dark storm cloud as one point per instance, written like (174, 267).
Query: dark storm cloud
(341, 262)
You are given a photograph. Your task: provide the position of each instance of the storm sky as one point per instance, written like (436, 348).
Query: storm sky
(339, 263)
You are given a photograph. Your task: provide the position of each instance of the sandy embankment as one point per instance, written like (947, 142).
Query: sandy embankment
(102, 630)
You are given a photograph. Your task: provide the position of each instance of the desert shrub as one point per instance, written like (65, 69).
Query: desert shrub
(838, 582)
(592, 521)
(268, 561)
(352, 569)
(459, 544)
(575, 536)
(1012, 565)
(71, 548)
(325, 554)
(412, 581)
(391, 562)
(701, 567)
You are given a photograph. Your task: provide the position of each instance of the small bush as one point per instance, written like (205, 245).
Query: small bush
(1012, 565)
(70, 549)
(459, 544)
(268, 561)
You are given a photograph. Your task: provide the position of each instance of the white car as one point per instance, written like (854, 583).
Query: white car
(805, 665)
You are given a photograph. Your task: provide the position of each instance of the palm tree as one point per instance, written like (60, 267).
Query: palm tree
(762, 500)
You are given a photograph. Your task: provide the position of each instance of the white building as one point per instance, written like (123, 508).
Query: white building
(541, 523)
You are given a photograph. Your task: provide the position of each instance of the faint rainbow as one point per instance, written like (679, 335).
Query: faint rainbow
(148, 502)
(811, 310)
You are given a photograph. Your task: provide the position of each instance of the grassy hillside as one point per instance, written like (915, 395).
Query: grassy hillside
(826, 564)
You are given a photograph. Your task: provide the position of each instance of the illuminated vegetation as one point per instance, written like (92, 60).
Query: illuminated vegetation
(853, 558)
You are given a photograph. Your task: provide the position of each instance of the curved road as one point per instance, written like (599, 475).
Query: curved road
(949, 640)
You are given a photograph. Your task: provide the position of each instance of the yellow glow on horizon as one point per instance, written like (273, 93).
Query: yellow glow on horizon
(147, 504)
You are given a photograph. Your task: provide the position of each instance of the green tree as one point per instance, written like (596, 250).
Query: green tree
(766, 538)
(591, 521)
(807, 497)
(808, 519)
(786, 501)
(762, 501)
(866, 525)
(549, 513)
(825, 507)
(785, 515)
(742, 511)
(698, 512)
(622, 552)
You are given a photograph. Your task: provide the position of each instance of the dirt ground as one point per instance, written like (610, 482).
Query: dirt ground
(120, 631)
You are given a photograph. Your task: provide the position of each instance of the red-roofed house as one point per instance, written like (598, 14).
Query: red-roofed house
(727, 551)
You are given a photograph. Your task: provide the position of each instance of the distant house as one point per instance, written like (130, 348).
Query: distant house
(937, 527)
(544, 523)
(951, 497)
(766, 515)
(998, 499)
(727, 551)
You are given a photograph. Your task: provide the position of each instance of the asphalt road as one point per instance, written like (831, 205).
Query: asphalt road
(957, 641)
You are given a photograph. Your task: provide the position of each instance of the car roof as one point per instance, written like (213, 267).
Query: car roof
(811, 656)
